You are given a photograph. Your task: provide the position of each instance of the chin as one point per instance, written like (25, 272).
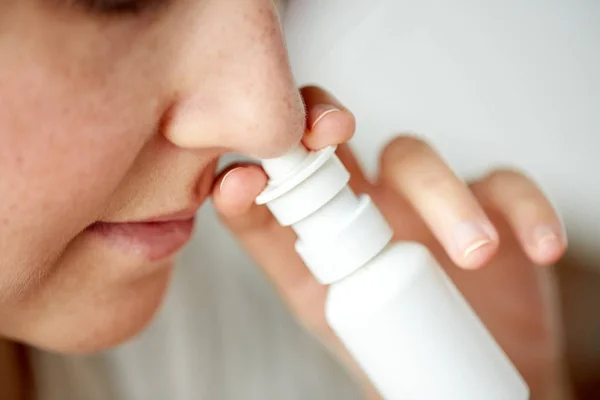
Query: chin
(97, 328)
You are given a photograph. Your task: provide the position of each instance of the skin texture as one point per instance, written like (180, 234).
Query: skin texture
(88, 101)
(121, 116)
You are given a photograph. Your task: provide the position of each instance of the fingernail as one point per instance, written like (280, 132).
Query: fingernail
(319, 111)
(471, 236)
(547, 240)
(227, 175)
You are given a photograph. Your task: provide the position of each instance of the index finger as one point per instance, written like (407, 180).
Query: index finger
(328, 122)
(446, 204)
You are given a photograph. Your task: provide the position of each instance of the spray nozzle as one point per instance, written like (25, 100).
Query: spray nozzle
(281, 166)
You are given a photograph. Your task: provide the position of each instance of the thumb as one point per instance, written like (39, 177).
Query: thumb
(267, 242)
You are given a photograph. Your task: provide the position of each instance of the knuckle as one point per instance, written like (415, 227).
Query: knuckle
(412, 163)
(514, 190)
(402, 149)
(435, 181)
(530, 206)
(498, 180)
(503, 176)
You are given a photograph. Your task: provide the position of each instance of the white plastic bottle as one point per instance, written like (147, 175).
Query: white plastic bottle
(391, 304)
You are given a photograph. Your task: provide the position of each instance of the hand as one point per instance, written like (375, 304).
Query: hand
(502, 223)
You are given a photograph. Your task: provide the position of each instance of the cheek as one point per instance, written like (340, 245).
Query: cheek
(65, 147)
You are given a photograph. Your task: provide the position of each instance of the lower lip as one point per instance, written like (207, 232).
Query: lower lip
(152, 241)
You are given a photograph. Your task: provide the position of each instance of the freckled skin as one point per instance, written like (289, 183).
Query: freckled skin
(89, 109)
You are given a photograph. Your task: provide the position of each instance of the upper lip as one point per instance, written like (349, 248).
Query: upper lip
(186, 212)
(181, 215)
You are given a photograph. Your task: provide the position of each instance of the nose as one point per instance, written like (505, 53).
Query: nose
(232, 83)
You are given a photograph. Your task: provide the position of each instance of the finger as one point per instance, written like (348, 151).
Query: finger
(359, 183)
(268, 243)
(236, 188)
(446, 204)
(527, 211)
(328, 122)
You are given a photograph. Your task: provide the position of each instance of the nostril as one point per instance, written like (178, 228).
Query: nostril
(275, 145)
(283, 131)
(164, 123)
(186, 122)
(281, 166)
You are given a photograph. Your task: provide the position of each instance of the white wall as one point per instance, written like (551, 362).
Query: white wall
(487, 82)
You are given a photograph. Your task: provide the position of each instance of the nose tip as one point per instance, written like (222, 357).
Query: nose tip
(280, 128)
(262, 123)
(235, 87)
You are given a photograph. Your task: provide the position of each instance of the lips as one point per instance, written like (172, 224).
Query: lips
(160, 236)
(153, 240)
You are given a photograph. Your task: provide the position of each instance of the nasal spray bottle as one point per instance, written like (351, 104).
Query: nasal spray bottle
(391, 304)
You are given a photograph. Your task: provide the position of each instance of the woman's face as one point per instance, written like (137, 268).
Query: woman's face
(112, 116)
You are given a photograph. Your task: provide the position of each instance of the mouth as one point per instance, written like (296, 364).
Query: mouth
(152, 240)
(156, 238)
